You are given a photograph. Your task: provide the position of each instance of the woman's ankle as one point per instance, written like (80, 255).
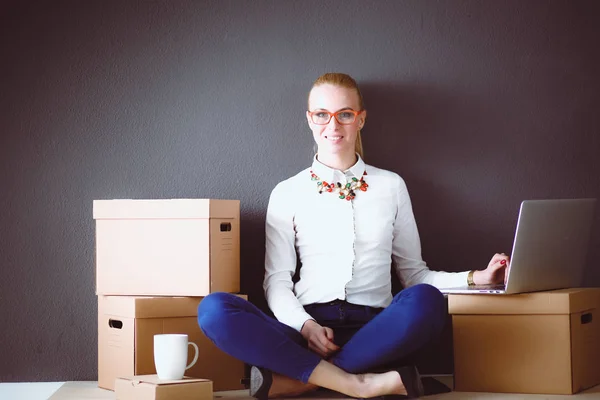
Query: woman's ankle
(361, 386)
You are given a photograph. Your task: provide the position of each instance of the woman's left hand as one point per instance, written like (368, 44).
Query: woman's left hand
(496, 271)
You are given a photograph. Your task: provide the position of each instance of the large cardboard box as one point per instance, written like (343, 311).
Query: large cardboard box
(126, 329)
(149, 387)
(544, 342)
(175, 247)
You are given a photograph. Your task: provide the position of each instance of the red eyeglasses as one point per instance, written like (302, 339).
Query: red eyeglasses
(344, 117)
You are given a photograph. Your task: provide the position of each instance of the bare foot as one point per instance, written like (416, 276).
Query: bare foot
(284, 386)
(373, 385)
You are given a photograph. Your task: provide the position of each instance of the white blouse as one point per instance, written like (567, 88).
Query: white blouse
(345, 247)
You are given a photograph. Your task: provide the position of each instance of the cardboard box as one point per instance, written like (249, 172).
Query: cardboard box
(544, 342)
(177, 247)
(126, 329)
(149, 387)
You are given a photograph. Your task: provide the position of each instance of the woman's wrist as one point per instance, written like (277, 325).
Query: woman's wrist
(306, 325)
(479, 278)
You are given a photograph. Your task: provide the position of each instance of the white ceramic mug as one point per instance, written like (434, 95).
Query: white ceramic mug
(171, 355)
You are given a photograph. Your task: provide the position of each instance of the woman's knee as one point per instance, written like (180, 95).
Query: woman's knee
(213, 308)
(430, 298)
(434, 306)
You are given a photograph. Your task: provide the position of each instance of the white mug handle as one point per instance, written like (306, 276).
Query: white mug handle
(195, 356)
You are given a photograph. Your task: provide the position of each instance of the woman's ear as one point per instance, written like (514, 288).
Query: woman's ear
(363, 118)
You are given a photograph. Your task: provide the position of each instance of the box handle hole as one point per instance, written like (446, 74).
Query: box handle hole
(115, 324)
(586, 318)
(225, 226)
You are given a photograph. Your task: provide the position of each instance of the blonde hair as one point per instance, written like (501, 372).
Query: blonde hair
(345, 81)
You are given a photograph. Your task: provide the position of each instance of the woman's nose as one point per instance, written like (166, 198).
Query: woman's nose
(333, 122)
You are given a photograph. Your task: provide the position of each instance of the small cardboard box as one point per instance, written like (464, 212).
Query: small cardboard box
(149, 387)
(176, 247)
(126, 329)
(544, 342)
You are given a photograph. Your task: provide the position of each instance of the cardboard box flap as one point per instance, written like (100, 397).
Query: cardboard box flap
(149, 307)
(150, 388)
(166, 209)
(563, 301)
(153, 380)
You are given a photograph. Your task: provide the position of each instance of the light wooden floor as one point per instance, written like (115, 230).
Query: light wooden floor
(90, 391)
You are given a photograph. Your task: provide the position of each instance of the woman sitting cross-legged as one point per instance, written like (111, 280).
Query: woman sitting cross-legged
(338, 327)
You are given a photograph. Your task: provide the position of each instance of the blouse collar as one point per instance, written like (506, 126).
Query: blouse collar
(329, 174)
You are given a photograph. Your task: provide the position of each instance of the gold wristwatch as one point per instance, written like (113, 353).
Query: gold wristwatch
(470, 280)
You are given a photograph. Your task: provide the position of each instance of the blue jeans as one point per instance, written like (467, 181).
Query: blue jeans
(370, 338)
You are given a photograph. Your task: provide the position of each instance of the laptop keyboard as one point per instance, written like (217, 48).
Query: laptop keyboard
(488, 287)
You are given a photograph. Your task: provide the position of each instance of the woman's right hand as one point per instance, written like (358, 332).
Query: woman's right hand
(319, 338)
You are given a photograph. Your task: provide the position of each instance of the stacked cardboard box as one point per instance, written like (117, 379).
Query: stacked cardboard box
(545, 342)
(155, 262)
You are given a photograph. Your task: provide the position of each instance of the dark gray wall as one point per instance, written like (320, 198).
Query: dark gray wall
(477, 104)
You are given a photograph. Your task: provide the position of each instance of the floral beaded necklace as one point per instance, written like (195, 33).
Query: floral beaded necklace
(346, 191)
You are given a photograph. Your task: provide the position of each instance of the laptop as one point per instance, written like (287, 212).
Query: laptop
(549, 249)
